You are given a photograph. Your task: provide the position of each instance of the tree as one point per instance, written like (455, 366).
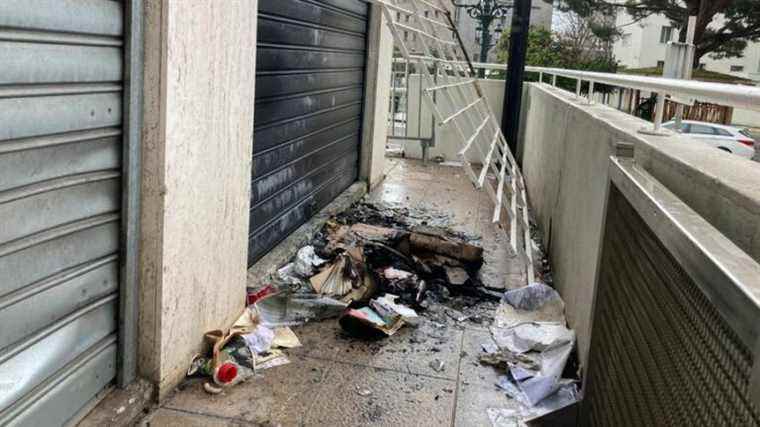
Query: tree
(726, 39)
(571, 48)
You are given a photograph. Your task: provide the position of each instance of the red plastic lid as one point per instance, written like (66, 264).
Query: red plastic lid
(226, 373)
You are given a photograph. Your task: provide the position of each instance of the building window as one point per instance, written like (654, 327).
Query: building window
(427, 12)
(666, 34)
(660, 64)
(406, 35)
(737, 68)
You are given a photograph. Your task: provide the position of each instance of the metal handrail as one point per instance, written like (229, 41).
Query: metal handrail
(732, 95)
(739, 96)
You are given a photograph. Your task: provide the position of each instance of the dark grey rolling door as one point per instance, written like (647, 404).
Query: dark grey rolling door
(60, 161)
(309, 90)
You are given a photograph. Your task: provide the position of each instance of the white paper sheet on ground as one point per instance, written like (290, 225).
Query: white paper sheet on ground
(387, 307)
(533, 303)
(284, 337)
(270, 360)
(547, 381)
(297, 309)
(260, 339)
(532, 336)
(504, 417)
(306, 262)
(566, 394)
(531, 297)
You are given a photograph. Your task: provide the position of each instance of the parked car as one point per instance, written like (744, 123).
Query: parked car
(727, 138)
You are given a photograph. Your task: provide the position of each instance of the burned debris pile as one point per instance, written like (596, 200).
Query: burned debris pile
(377, 269)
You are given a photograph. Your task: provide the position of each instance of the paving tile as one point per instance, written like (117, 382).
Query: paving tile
(398, 193)
(395, 399)
(319, 339)
(473, 402)
(410, 350)
(171, 418)
(276, 395)
(471, 371)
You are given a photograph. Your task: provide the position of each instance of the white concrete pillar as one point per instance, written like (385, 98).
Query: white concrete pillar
(198, 127)
(377, 95)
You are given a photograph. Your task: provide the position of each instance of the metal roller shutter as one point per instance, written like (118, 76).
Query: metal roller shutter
(309, 91)
(60, 196)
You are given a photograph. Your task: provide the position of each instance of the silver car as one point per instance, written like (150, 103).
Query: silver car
(727, 138)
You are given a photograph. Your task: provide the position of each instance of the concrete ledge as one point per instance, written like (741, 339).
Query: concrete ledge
(288, 247)
(566, 149)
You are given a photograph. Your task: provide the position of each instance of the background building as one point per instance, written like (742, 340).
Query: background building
(643, 45)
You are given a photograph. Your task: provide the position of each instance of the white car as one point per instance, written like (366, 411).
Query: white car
(727, 138)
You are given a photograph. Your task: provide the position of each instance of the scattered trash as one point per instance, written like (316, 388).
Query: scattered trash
(364, 392)
(288, 309)
(366, 323)
(241, 350)
(532, 346)
(536, 302)
(503, 417)
(391, 273)
(452, 164)
(538, 336)
(254, 295)
(306, 261)
(437, 365)
(271, 359)
(387, 308)
(456, 275)
(211, 389)
(375, 269)
(284, 337)
(336, 279)
(260, 340)
(531, 297)
(440, 245)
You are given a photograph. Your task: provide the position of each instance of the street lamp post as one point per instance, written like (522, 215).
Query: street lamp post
(485, 12)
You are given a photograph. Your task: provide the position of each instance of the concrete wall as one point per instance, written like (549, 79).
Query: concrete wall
(566, 146)
(199, 91)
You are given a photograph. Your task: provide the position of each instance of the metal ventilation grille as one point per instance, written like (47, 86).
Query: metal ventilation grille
(661, 354)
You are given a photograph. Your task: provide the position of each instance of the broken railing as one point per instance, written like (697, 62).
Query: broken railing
(454, 96)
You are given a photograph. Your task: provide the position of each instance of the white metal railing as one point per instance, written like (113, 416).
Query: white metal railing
(732, 95)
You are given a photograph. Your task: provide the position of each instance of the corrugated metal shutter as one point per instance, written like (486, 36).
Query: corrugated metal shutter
(60, 161)
(309, 89)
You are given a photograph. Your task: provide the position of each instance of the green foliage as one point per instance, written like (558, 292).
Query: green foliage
(547, 49)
